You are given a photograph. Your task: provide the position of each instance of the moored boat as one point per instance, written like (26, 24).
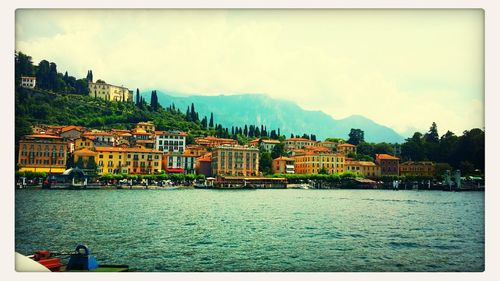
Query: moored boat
(79, 260)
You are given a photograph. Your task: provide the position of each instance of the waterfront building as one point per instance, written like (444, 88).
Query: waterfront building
(203, 165)
(102, 90)
(128, 160)
(346, 148)
(211, 141)
(42, 153)
(389, 164)
(235, 160)
(178, 163)
(28, 82)
(313, 163)
(168, 142)
(298, 143)
(363, 168)
(85, 159)
(417, 168)
(283, 165)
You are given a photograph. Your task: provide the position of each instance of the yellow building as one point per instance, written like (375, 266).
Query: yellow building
(311, 163)
(110, 92)
(42, 153)
(346, 148)
(363, 168)
(417, 168)
(124, 160)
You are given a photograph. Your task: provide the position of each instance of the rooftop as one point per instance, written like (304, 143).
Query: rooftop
(385, 157)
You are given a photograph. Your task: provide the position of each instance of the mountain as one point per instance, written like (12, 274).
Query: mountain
(257, 109)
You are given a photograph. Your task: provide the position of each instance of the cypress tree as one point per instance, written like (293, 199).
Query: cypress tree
(211, 123)
(137, 97)
(188, 114)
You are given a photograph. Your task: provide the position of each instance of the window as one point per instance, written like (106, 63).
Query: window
(101, 156)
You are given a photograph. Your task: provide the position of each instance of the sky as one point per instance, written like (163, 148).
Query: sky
(401, 68)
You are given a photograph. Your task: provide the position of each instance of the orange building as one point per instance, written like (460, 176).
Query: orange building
(211, 141)
(235, 161)
(417, 168)
(42, 153)
(313, 163)
(346, 148)
(204, 165)
(283, 165)
(363, 168)
(195, 150)
(389, 164)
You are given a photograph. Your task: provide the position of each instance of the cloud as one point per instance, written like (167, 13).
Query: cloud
(401, 68)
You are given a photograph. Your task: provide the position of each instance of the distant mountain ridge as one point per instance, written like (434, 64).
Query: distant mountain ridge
(257, 109)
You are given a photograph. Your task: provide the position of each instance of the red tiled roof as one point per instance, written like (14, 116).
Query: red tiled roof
(44, 136)
(298, 139)
(385, 157)
(271, 141)
(84, 151)
(346, 144)
(71, 127)
(284, 158)
(125, 149)
(163, 133)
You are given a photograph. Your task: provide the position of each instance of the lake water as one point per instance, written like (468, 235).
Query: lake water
(259, 230)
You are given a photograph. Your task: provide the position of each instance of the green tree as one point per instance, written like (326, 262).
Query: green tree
(278, 150)
(265, 162)
(211, 123)
(356, 136)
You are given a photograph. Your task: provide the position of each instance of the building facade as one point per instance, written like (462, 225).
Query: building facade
(204, 165)
(268, 145)
(363, 168)
(211, 141)
(235, 161)
(28, 82)
(298, 143)
(389, 164)
(169, 142)
(283, 165)
(110, 92)
(417, 168)
(311, 163)
(42, 153)
(124, 160)
(346, 148)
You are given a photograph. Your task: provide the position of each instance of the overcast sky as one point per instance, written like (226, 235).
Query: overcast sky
(401, 68)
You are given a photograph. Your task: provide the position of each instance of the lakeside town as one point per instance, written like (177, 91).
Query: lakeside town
(128, 141)
(146, 156)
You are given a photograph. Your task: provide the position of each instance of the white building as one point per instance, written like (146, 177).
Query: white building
(268, 145)
(168, 142)
(110, 92)
(28, 82)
